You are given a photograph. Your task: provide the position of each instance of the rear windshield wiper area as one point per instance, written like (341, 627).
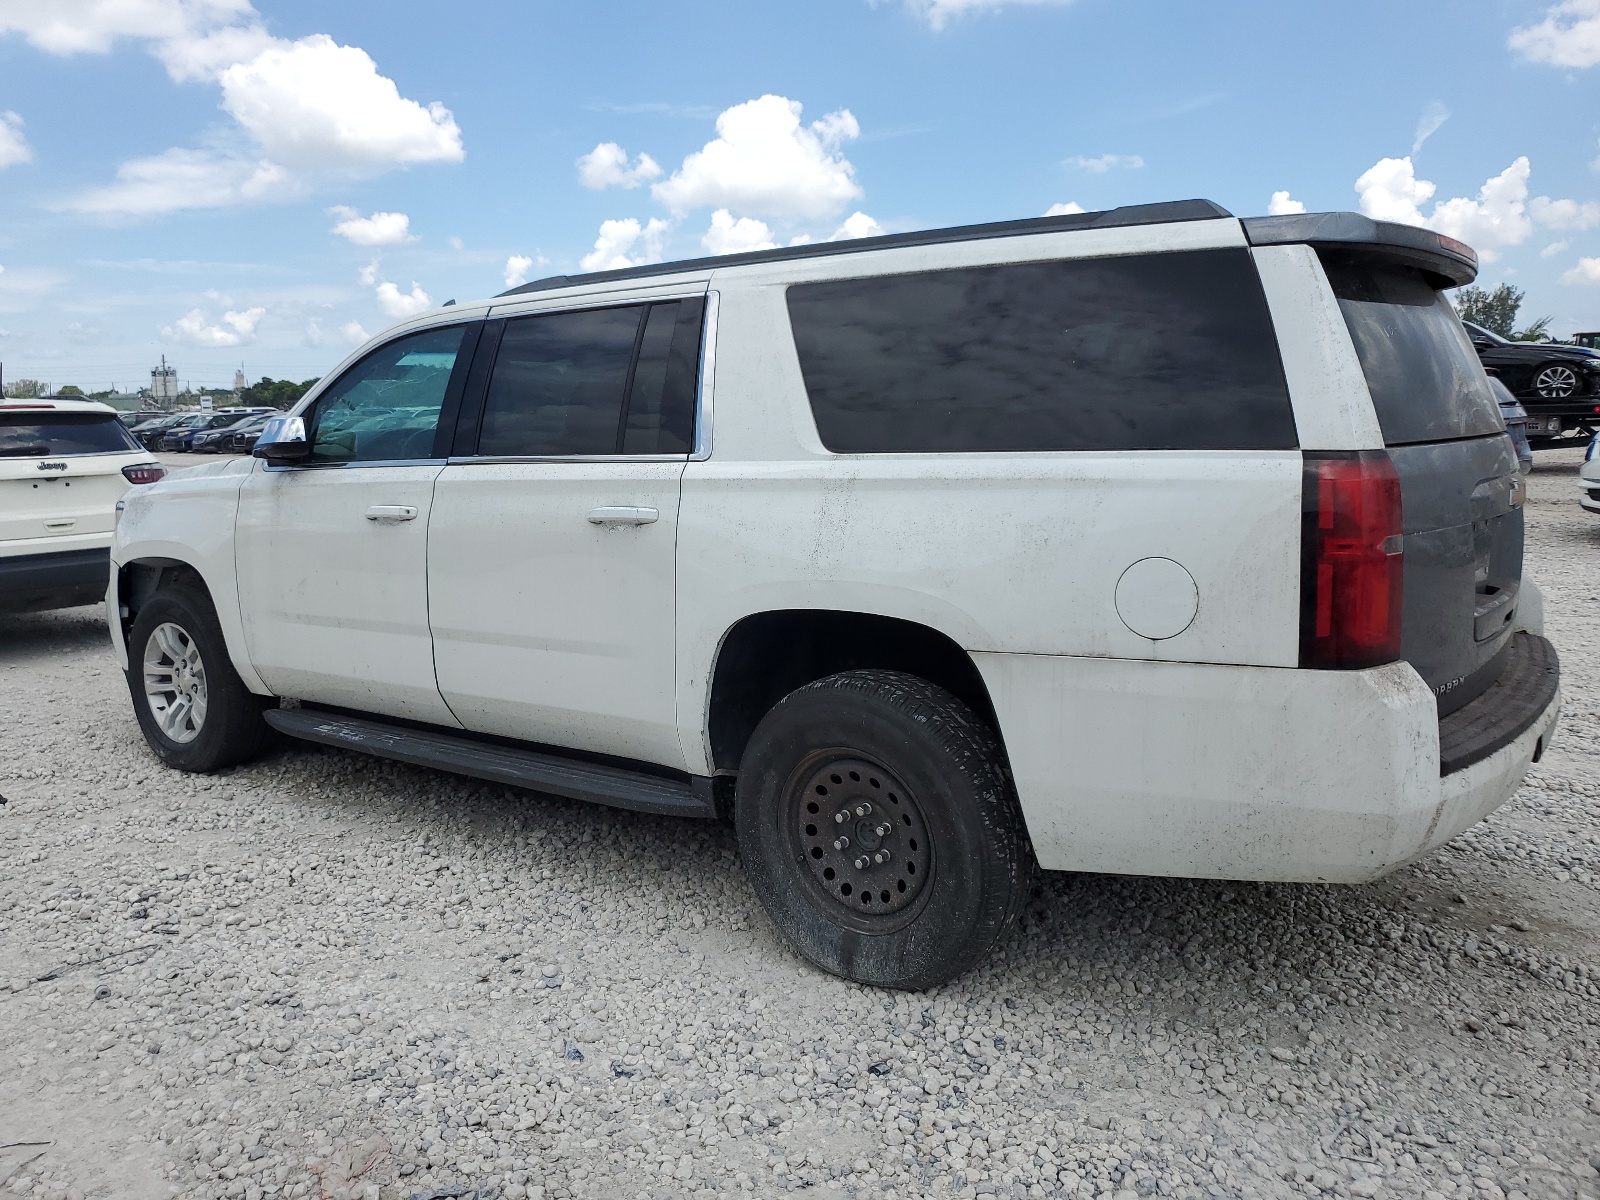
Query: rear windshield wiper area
(24, 451)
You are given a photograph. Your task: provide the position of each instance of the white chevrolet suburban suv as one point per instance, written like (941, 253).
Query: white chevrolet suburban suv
(1150, 541)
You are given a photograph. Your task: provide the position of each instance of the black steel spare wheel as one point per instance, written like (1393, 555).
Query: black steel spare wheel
(860, 832)
(880, 830)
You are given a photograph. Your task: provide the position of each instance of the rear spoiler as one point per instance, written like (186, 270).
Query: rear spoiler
(1456, 263)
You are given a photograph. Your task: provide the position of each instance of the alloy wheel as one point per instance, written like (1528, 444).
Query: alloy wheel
(1556, 382)
(175, 682)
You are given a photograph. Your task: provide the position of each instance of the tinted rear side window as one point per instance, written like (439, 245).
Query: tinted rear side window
(51, 435)
(599, 382)
(1153, 352)
(1426, 381)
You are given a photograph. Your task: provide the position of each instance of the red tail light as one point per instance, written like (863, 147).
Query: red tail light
(144, 472)
(1351, 562)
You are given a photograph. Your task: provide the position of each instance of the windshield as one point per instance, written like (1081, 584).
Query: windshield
(1426, 381)
(55, 434)
(1489, 334)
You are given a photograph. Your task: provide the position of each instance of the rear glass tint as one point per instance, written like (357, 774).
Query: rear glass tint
(1426, 381)
(55, 434)
(1150, 352)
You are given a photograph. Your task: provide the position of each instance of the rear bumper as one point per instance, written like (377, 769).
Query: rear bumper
(1184, 769)
(62, 579)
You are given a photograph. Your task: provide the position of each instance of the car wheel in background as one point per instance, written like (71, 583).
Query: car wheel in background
(880, 830)
(1556, 382)
(194, 710)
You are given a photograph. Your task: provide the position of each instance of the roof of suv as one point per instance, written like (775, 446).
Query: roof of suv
(1445, 257)
(51, 403)
(1170, 212)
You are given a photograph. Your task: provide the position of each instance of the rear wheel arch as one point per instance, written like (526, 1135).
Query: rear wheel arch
(766, 656)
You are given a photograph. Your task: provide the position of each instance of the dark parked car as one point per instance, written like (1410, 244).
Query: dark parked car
(132, 419)
(150, 433)
(180, 438)
(216, 440)
(1558, 385)
(1516, 419)
(242, 438)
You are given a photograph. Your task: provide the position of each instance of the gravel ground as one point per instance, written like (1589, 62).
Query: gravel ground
(327, 975)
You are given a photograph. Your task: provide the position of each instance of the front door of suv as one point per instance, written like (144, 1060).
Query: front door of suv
(552, 543)
(332, 554)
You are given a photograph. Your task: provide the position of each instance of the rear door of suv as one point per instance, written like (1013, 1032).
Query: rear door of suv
(551, 549)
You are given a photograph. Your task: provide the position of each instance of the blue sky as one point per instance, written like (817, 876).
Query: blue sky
(226, 183)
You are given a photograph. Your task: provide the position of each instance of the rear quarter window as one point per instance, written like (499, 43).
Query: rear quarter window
(1151, 352)
(59, 434)
(1426, 380)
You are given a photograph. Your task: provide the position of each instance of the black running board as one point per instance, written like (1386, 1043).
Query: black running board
(533, 769)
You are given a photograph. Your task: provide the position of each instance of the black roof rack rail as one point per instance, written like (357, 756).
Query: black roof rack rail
(1443, 256)
(1133, 214)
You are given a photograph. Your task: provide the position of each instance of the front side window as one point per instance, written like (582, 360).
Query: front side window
(44, 434)
(605, 381)
(386, 407)
(1145, 352)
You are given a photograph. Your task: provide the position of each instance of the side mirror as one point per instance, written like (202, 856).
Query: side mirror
(283, 441)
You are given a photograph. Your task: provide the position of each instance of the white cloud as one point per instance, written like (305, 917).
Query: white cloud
(1497, 217)
(202, 57)
(1553, 249)
(314, 104)
(856, 225)
(765, 161)
(1284, 205)
(14, 147)
(380, 229)
(937, 13)
(607, 166)
(180, 179)
(625, 244)
(730, 236)
(234, 329)
(368, 275)
(1587, 271)
(315, 111)
(517, 267)
(1064, 210)
(398, 304)
(91, 26)
(1432, 120)
(1569, 36)
(1105, 162)
(354, 332)
(1565, 214)
(1391, 191)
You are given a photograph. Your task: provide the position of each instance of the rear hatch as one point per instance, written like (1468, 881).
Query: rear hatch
(1460, 487)
(61, 472)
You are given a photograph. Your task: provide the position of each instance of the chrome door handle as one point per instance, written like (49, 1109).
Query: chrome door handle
(623, 516)
(392, 512)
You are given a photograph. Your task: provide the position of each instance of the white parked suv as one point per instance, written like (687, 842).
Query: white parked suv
(64, 465)
(1151, 541)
